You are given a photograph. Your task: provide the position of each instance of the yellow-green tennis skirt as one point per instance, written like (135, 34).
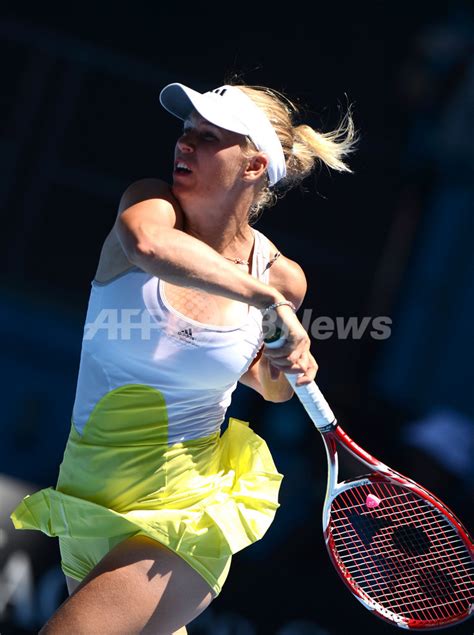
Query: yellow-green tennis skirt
(205, 499)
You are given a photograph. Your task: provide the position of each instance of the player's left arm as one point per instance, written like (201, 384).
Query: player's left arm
(289, 278)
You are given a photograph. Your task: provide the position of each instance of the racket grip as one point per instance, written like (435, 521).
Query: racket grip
(314, 402)
(310, 396)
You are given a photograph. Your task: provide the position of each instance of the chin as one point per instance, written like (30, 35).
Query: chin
(179, 187)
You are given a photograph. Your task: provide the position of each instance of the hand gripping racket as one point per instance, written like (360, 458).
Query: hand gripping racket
(399, 549)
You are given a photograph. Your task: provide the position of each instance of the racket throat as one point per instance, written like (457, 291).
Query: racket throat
(330, 445)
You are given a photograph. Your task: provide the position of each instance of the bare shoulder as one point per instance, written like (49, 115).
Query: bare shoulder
(288, 277)
(149, 190)
(113, 260)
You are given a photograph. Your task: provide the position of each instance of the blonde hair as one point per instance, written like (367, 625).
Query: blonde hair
(303, 147)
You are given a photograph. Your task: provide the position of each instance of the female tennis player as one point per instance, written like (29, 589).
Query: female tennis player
(152, 500)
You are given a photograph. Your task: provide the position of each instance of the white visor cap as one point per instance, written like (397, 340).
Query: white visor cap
(231, 109)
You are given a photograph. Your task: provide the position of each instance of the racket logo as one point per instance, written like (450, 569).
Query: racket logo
(399, 553)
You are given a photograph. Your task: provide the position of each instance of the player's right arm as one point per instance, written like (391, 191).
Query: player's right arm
(149, 227)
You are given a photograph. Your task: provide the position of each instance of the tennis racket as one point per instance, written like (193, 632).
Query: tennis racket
(402, 553)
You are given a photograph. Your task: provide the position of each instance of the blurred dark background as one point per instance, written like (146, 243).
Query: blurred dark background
(80, 121)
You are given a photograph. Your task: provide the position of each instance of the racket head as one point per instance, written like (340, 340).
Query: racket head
(401, 551)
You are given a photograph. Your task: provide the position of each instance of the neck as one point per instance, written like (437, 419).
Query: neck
(228, 233)
(229, 238)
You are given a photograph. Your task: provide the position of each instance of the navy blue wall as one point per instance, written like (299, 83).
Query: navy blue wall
(81, 120)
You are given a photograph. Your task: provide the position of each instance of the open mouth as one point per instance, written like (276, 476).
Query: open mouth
(182, 168)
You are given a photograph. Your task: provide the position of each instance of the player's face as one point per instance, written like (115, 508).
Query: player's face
(208, 160)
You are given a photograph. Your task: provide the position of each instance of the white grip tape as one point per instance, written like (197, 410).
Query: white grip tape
(314, 402)
(310, 396)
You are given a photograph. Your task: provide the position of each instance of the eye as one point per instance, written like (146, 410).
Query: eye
(209, 136)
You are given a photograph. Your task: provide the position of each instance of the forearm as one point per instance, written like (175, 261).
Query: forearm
(259, 379)
(181, 259)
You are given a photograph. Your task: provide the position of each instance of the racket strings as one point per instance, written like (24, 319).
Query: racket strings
(404, 554)
(419, 546)
(390, 593)
(437, 588)
(392, 546)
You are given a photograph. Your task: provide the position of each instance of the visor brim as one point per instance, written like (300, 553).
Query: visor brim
(181, 100)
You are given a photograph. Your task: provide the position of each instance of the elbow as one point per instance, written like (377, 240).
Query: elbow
(151, 256)
(138, 250)
(137, 253)
(278, 397)
(143, 251)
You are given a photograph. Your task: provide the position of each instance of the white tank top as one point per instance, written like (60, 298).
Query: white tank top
(133, 337)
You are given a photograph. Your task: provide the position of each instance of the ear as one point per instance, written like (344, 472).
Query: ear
(256, 167)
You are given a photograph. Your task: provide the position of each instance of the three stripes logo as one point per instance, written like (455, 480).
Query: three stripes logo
(186, 335)
(220, 91)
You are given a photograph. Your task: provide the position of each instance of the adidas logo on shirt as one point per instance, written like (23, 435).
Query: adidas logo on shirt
(186, 337)
(186, 334)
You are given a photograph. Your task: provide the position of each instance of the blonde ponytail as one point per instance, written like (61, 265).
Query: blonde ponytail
(304, 148)
(329, 147)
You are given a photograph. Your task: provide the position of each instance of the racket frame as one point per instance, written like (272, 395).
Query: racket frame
(324, 420)
(333, 435)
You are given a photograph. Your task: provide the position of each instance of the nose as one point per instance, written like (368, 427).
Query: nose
(185, 143)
